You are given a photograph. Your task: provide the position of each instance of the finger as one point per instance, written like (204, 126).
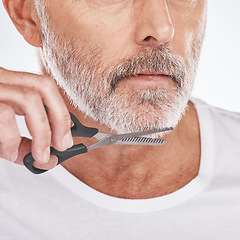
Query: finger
(25, 148)
(58, 114)
(47, 166)
(10, 137)
(28, 102)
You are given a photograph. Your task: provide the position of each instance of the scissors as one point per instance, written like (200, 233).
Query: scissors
(105, 139)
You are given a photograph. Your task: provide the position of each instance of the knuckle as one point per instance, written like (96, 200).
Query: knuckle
(7, 113)
(43, 122)
(31, 95)
(40, 146)
(43, 135)
(63, 121)
(66, 119)
(48, 83)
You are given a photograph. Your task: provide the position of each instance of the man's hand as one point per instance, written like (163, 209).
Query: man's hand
(27, 94)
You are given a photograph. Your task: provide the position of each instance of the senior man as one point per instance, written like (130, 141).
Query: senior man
(120, 66)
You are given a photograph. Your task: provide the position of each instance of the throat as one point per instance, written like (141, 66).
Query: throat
(144, 187)
(142, 178)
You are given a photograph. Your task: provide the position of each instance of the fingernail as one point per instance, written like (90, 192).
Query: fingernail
(67, 141)
(14, 156)
(46, 155)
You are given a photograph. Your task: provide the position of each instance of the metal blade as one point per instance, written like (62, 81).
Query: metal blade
(141, 141)
(101, 143)
(138, 134)
(100, 135)
(109, 139)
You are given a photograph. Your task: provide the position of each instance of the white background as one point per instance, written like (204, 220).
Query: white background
(218, 80)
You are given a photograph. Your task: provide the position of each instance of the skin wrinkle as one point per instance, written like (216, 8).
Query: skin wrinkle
(78, 58)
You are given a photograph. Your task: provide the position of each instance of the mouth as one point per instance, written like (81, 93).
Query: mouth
(144, 79)
(149, 78)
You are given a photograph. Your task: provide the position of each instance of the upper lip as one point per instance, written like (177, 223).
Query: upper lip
(151, 73)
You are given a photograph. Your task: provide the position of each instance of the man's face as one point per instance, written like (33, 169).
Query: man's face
(128, 64)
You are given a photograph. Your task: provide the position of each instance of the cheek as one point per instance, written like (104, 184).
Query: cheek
(96, 23)
(189, 26)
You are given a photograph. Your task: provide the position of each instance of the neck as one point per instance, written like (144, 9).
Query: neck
(139, 172)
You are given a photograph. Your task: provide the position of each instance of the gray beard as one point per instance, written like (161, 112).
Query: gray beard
(139, 110)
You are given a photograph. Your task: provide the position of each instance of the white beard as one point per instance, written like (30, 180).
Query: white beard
(150, 108)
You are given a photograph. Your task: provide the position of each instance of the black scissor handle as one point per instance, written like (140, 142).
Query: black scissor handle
(62, 156)
(77, 130)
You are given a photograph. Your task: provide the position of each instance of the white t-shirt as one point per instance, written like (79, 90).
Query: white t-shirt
(56, 205)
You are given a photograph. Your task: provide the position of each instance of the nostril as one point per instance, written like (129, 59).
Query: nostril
(150, 39)
(147, 38)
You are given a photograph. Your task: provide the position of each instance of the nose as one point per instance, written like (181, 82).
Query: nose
(153, 24)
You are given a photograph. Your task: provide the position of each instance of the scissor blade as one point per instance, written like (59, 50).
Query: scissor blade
(109, 139)
(101, 135)
(141, 141)
(143, 133)
(117, 137)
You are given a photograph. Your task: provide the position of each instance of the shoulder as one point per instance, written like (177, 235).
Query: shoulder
(218, 114)
(225, 124)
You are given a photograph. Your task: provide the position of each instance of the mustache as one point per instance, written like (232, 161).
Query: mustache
(154, 60)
